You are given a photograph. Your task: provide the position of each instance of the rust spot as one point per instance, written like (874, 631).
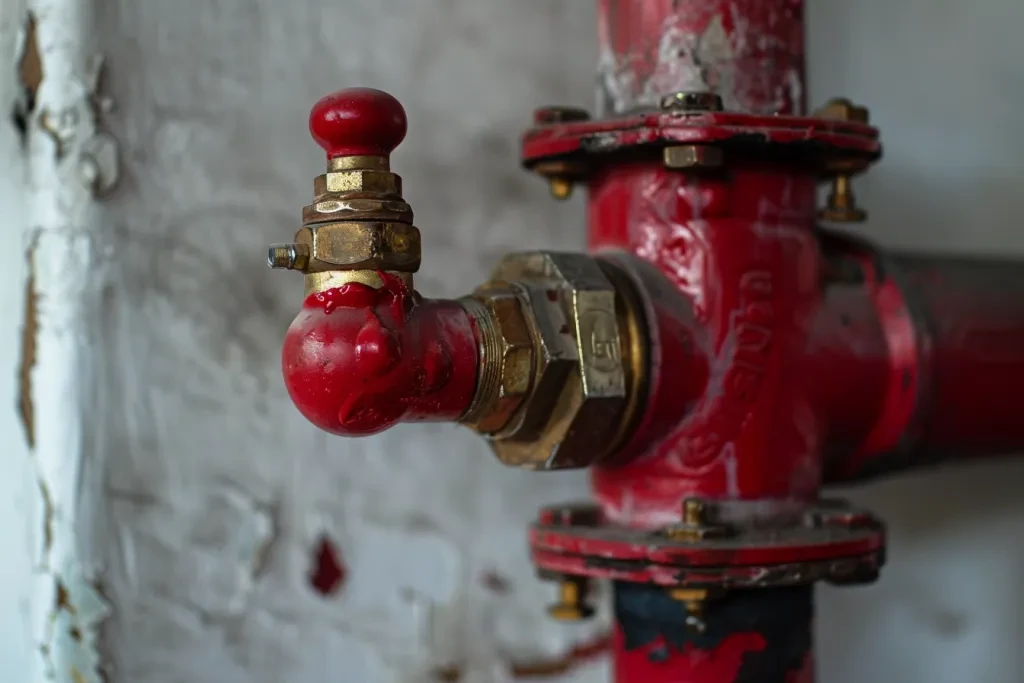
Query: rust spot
(48, 127)
(495, 582)
(29, 332)
(63, 599)
(44, 491)
(447, 674)
(328, 573)
(30, 76)
(578, 656)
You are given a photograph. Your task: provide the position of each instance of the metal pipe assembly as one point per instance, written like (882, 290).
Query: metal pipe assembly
(714, 360)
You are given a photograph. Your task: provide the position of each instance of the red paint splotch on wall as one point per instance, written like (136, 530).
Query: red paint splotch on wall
(327, 573)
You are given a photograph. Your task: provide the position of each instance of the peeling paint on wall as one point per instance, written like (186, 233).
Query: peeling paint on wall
(27, 362)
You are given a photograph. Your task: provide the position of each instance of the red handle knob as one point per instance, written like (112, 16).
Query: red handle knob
(358, 121)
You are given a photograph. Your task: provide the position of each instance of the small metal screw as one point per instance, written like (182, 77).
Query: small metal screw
(692, 102)
(693, 511)
(571, 605)
(841, 206)
(695, 526)
(561, 188)
(692, 156)
(290, 256)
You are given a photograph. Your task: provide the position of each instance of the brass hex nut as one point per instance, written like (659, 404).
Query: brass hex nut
(842, 109)
(360, 245)
(506, 358)
(331, 210)
(380, 183)
(579, 386)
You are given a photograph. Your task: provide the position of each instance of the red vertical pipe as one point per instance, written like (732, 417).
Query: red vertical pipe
(741, 248)
(751, 52)
(747, 636)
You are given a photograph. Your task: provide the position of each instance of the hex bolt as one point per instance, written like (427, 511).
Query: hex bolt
(561, 188)
(692, 102)
(290, 256)
(693, 511)
(694, 599)
(571, 605)
(841, 205)
(692, 157)
(695, 526)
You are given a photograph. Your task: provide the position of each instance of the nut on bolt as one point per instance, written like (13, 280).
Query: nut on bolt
(572, 600)
(696, 524)
(506, 366)
(692, 102)
(361, 245)
(584, 371)
(841, 205)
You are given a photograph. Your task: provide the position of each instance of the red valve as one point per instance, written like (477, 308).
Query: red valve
(357, 360)
(358, 122)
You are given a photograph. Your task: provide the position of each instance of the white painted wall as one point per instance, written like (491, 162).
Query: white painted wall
(186, 489)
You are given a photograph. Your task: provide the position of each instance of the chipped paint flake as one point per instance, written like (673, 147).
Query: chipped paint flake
(71, 648)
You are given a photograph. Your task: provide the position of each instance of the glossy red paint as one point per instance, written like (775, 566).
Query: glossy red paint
(358, 121)
(749, 51)
(954, 329)
(741, 249)
(357, 360)
(658, 661)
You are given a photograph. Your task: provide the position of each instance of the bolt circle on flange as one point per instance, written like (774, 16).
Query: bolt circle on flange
(824, 541)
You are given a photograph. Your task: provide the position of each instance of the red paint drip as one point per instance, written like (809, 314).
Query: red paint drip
(357, 360)
(328, 572)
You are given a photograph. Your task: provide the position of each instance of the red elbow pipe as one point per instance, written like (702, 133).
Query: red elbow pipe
(358, 360)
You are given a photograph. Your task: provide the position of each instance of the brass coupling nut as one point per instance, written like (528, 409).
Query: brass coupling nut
(562, 360)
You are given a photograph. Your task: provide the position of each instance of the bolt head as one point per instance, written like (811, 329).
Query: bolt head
(842, 109)
(561, 189)
(692, 157)
(281, 256)
(695, 102)
(569, 613)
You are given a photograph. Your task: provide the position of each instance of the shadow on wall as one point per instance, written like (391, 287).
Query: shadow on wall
(960, 210)
(946, 606)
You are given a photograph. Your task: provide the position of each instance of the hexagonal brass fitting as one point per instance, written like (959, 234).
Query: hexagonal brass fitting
(587, 361)
(506, 357)
(360, 245)
(357, 226)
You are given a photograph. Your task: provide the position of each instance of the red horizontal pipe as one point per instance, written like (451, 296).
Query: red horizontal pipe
(357, 360)
(956, 346)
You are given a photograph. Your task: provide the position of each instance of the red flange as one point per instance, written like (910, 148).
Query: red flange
(826, 541)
